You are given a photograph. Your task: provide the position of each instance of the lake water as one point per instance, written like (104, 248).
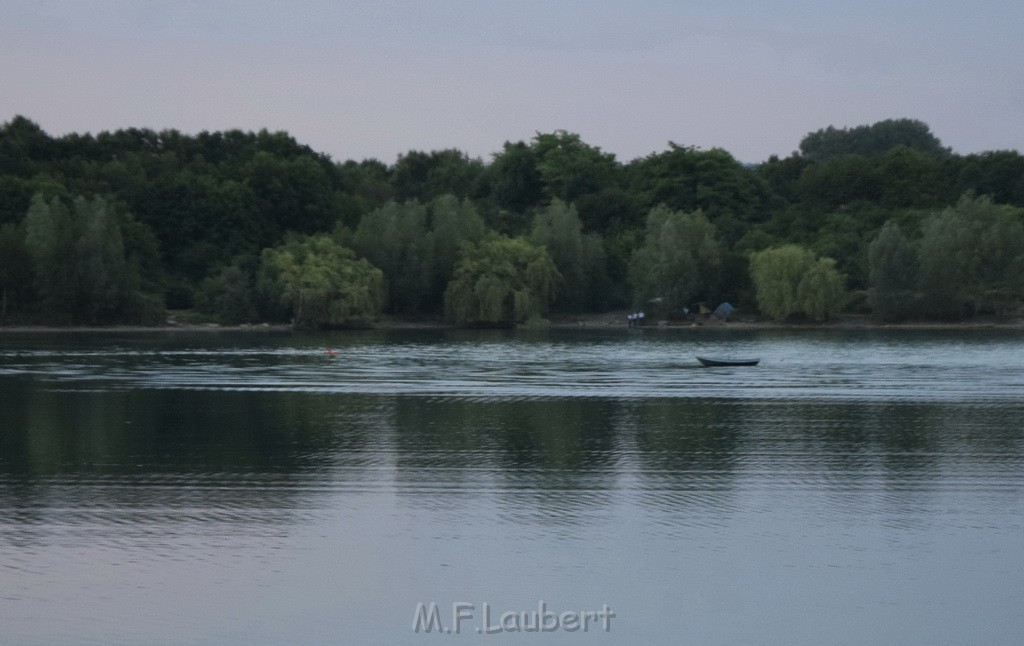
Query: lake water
(856, 487)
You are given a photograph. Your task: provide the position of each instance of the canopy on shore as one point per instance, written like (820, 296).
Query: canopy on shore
(724, 310)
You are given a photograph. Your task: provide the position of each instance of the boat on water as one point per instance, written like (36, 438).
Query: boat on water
(710, 363)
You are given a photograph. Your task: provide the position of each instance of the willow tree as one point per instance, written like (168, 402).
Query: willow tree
(820, 293)
(502, 282)
(323, 283)
(790, 280)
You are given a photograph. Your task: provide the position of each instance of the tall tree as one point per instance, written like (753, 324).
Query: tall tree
(50, 236)
(970, 256)
(103, 278)
(297, 194)
(839, 181)
(909, 178)
(23, 147)
(781, 175)
(395, 238)
(872, 140)
(685, 178)
(999, 174)
(229, 294)
(514, 184)
(679, 260)
(425, 176)
(79, 260)
(570, 168)
(585, 176)
(579, 257)
(453, 224)
(15, 269)
(366, 186)
(201, 219)
(893, 274)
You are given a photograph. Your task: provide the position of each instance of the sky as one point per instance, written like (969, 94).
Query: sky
(376, 79)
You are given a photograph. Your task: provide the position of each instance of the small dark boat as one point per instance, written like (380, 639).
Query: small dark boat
(710, 363)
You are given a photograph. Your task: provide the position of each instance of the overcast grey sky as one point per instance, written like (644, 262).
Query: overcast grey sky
(375, 79)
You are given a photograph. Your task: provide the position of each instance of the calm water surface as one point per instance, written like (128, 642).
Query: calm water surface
(856, 487)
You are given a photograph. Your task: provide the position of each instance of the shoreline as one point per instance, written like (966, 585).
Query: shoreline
(607, 321)
(73, 329)
(848, 322)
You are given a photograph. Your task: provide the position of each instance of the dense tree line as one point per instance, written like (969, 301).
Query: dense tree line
(881, 219)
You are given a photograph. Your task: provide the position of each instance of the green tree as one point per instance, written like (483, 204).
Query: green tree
(999, 174)
(619, 247)
(685, 178)
(610, 209)
(201, 220)
(503, 281)
(425, 176)
(909, 178)
(16, 195)
(971, 256)
(514, 184)
(598, 284)
(949, 266)
(679, 260)
(231, 292)
(839, 181)
(790, 281)
(781, 175)
(366, 186)
(892, 265)
(585, 176)
(50, 236)
(80, 263)
(843, 235)
(104, 282)
(395, 239)
(871, 140)
(820, 293)
(323, 283)
(570, 168)
(15, 269)
(23, 146)
(295, 194)
(453, 223)
(580, 258)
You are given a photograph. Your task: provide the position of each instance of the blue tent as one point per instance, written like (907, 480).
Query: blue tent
(723, 311)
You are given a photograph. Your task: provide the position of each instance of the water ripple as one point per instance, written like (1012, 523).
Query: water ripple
(873, 368)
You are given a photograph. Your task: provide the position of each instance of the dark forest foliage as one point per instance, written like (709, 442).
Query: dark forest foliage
(252, 226)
